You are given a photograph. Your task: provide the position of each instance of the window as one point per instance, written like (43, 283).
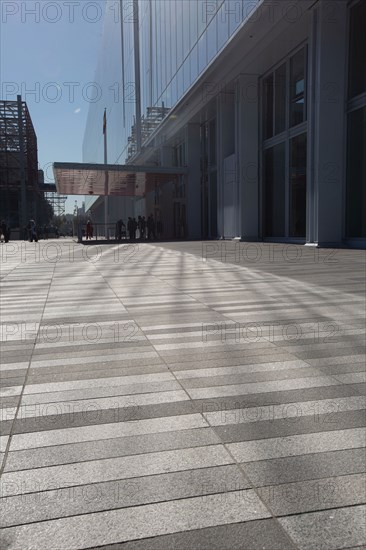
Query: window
(357, 49)
(356, 175)
(297, 88)
(274, 191)
(288, 80)
(298, 186)
(356, 125)
(268, 107)
(212, 142)
(280, 99)
(285, 149)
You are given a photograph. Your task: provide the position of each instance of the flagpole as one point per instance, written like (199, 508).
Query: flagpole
(106, 175)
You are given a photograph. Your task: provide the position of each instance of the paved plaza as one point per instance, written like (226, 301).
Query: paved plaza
(181, 396)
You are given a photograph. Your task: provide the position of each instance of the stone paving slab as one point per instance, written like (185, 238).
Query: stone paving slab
(179, 395)
(252, 535)
(109, 448)
(333, 529)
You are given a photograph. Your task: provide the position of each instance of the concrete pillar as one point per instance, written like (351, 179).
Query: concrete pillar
(193, 187)
(326, 138)
(247, 116)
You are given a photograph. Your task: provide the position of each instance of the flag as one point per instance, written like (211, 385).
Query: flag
(105, 122)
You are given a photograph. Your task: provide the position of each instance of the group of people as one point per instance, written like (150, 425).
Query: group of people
(31, 231)
(146, 227)
(35, 232)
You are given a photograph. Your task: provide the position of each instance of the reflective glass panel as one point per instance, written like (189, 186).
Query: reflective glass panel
(234, 14)
(357, 49)
(280, 99)
(222, 27)
(297, 88)
(274, 179)
(202, 52)
(212, 39)
(268, 107)
(298, 186)
(193, 58)
(356, 174)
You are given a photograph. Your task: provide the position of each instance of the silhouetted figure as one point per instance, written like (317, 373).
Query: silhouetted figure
(134, 228)
(4, 231)
(159, 228)
(45, 232)
(119, 226)
(130, 227)
(89, 230)
(143, 227)
(139, 219)
(150, 227)
(32, 229)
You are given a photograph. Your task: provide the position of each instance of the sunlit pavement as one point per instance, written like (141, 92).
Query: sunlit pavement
(182, 396)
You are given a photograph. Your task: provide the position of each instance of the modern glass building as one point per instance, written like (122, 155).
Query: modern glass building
(264, 101)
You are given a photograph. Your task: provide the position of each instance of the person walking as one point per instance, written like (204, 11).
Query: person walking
(120, 224)
(33, 235)
(130, 228)
(143, 228)
(89, 230)
(134, 228)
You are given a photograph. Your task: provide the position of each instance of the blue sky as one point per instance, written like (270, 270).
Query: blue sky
(49, 52)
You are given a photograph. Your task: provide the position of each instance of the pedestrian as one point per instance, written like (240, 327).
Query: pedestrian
(143, 227)
(153, 227)
(159, 228)
(130, 227)
(134, 228)
(33, 235)
(89, 230)
(5, 231)
(120, 224)
(139, 223)
(150, 227)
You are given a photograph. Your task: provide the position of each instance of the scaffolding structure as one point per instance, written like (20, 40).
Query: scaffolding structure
(18, 163)
(149, 123)
(57, 201)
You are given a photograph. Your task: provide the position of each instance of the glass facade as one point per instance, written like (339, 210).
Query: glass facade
(155, 50)
(175, 42)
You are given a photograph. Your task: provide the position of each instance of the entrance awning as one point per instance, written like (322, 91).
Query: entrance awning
(122, 180)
